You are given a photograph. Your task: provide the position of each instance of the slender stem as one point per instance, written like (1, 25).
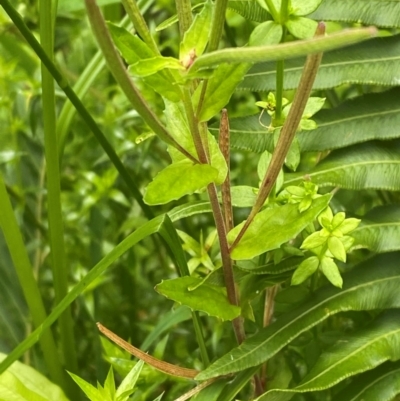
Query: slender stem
(132, 9)
(200, 338)
(273, 11)
(56, 226)
(25, 273)
(217, 26)
(284, 15)
(224, 145)
(287, 134)
(185, 17)
(117, 68)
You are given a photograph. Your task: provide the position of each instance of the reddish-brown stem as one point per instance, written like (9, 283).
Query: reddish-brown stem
(287, 134)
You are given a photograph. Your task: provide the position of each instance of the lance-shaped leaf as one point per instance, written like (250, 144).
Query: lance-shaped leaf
(220, 88)
(206, 298)
(374, 165)
(372, 62)
(271, 268)
(258, 54)
(273, 227)
(368, 12)
(382, 383)
(150, 66)
(177, 180)
(371, 285)
(372, 116)
(362, 351)
(379, 230)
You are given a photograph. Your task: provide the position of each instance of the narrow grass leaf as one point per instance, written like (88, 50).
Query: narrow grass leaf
(371, 285)
(372, 165)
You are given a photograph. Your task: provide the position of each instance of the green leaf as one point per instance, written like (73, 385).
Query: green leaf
(365, 349)
(368, 12)
(273, 227)
(150, 66)
(305, 270)
(382, 383)
(331, 271)
(177, 180)
(196, 37)
(91, 392)
(304, 7)
(372, 62)
(220, 88)
(178, 125)
(133, 50)
(250, 10)
(243, 196)
(109, 384)
(371, 285)
(379, 230)
(302, 28)
(370, 165)
(267, 33)
(127, 385)
(258, 54)
(271, 268)
(336, 248)
(205, 298)
(21, 382)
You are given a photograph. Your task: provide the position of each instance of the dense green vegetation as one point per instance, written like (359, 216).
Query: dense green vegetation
(246, 253)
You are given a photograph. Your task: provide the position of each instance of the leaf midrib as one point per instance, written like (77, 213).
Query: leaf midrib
(352, 289)
(342, 167)
(374, 225)
(356, 351)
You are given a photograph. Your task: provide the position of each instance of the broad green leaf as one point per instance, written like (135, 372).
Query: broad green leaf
(178, 125)
(23, 383)
(302, 28)
(368, 165)
(267, 33)
(368, 12)
(258, 54)
(372, 62)
(304, 7)
(308, 267)
(150, 66)
(382, 383)
(68, 6)
(90, 391)
(243, 196)
(273, 227)
(220, 88)
(371, 285)
(177, 180)
(250, 10)
(205, 298)
(359, 352)
(336, 248)
(196, 37)
(128, 383)
(270, 268)
(133, 50)
(379, 230)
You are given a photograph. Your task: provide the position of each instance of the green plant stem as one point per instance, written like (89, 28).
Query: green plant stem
(25, 273)
(217, 26)
(287, 134)
(257, 54)
(118, 70)
(56, 227)
(284, 15)
(132, 9)
(71, 95)
(185, 17)
(273, 11)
